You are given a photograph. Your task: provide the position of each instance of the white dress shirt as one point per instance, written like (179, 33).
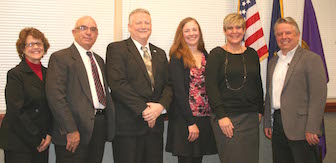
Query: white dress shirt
(138, 46)
(279, 76)
(87, 64)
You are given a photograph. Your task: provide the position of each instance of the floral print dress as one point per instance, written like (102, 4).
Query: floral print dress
(198, 98)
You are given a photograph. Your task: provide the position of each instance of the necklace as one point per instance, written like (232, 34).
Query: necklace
(225, 73)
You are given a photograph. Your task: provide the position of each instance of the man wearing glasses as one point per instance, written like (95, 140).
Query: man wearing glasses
(79, 98)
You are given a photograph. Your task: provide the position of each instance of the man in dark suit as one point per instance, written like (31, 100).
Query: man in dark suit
(137, 73)
(79, 99)
(296, 90)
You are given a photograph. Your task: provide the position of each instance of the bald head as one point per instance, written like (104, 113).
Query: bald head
(83, 19)
(85, 32)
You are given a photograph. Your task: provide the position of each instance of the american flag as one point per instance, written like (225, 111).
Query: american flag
(254, 36)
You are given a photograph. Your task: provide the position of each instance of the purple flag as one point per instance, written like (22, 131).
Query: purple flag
(311, 40)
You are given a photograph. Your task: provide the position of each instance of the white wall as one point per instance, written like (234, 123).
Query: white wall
(56, 19)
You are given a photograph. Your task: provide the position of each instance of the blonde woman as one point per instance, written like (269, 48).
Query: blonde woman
(235, 93)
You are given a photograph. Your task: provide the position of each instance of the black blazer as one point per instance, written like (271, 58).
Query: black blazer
(179, 78)
(70, 98)
(28, 117)
(131, 87)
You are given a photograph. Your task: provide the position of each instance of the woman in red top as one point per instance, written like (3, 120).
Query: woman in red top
(190, 134)
(27, 123)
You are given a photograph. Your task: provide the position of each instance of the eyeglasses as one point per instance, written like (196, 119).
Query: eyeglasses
(32, 44)
(85, 28)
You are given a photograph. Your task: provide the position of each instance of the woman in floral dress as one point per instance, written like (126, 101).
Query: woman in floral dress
(190, 134)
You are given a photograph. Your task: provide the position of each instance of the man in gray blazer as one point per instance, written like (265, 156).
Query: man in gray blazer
(79, 98)
(296, 90)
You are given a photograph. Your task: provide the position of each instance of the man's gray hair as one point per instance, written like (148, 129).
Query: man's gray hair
(138, 10)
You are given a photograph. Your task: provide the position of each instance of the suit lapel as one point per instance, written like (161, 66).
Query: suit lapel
(155, 58)
(82, 74)
(292, 65)
(23, 65)
(102, 69)
(272, 65)
(100, 64)
(44, 73)
(135, 53)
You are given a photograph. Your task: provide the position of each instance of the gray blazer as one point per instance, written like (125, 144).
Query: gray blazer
(303, 96)
(69, 97)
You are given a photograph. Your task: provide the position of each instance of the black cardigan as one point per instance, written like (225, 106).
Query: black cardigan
(179, 78)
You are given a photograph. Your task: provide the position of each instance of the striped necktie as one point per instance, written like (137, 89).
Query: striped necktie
(98, 85)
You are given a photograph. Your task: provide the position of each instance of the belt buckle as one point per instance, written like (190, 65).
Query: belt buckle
(99, 111)
(276, 110)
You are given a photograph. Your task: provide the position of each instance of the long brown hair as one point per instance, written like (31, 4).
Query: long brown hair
(180, 48)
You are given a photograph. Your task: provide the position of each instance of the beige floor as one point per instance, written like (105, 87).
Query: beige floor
(265, 147)
(330, 122)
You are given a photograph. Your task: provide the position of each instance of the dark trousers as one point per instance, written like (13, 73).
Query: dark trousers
(90, 153)
(26, 157)
(189, 159)
(146, 148)
(290, 151)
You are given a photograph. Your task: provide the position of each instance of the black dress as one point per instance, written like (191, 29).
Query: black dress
(180, 117)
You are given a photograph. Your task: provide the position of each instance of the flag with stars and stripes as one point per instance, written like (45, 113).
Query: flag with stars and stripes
(254, 36)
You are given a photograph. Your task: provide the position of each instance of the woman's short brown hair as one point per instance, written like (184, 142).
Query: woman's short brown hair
(24, 33)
